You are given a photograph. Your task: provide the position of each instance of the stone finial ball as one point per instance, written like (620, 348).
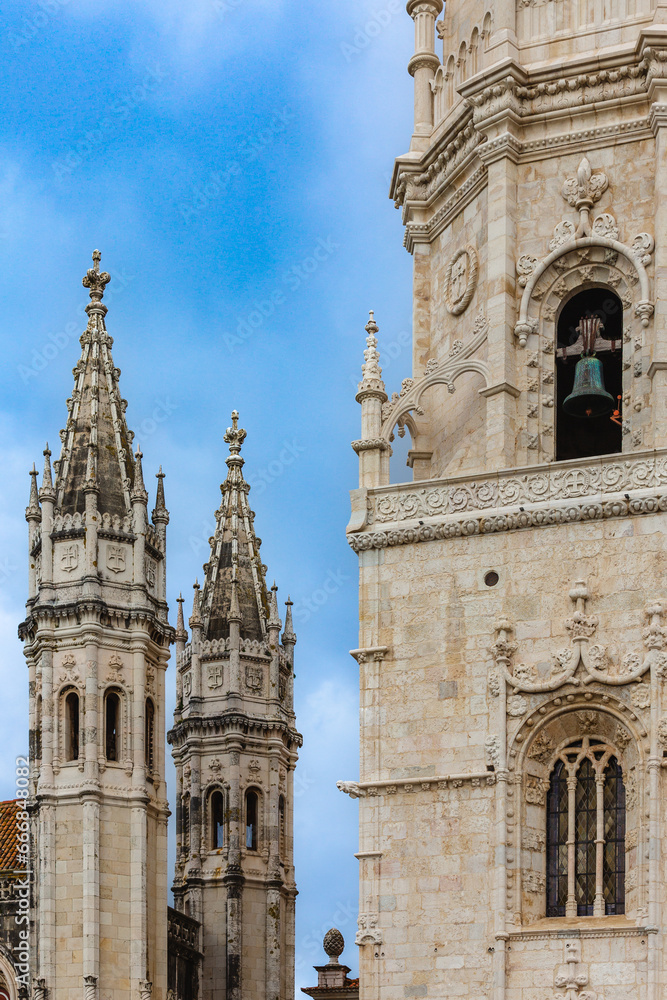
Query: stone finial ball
(334, 942)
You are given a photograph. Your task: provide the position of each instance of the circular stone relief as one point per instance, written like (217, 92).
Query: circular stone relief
(461, 279)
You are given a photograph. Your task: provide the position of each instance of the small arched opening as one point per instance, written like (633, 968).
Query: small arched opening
(251, 820)
(112, 726)
(71, 726)
(583, 436)
(217, 814)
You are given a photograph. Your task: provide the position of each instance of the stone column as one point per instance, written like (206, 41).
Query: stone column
(501, 393)
(234, 880)
(138, 819)
(657, 336)
(91, 885)
(424, 62)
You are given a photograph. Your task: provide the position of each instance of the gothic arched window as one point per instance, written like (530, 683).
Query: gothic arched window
(112, 726)
(216, 804)
(71, 726)
(586, 832)
(251, 819)
(149, 735)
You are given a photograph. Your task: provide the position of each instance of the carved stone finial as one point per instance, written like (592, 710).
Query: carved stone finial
(96, 280)
(235, 435)
(333, 945)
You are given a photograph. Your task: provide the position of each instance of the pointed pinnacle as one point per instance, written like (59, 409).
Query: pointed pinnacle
(32, 509)
(289, 634)
(139, 491)
(180, 623)
(274, 620)
(159, 500)
(47, 482)
(195, 617)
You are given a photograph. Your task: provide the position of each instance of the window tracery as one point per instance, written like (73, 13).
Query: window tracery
(585, 812)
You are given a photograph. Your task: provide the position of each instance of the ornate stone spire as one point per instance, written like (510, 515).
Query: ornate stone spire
(371, 373)
(96, 417)
(235, 578)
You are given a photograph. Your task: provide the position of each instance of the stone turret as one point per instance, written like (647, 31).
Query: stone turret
(96, 639)
(235, 747)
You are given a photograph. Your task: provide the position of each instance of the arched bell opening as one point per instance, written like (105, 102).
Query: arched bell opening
(585, 434)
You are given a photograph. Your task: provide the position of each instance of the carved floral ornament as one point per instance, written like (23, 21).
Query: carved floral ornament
(594, 659)
(590, 252)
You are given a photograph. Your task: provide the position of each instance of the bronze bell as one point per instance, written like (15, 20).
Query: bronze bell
(588, 398)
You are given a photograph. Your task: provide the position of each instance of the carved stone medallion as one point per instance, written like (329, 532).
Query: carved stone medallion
(461, 280)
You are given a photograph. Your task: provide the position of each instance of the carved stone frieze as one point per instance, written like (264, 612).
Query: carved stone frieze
(594, 479)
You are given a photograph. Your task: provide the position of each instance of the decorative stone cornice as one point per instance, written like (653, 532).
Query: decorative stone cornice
(554, 493)
(233, 723)
(420, 783)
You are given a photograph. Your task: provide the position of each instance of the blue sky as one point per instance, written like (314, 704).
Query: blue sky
(231, 160)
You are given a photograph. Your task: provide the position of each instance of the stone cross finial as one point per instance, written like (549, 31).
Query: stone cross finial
(94, 279)
(235, 435)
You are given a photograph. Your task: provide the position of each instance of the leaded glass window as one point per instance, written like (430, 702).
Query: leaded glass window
(586, 832)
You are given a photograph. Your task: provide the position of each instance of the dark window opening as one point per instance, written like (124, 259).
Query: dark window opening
(149, 735)
(72, 726)
(217, 806)
(251, 811)
(112, 731)
(281, 827)
(582, 437)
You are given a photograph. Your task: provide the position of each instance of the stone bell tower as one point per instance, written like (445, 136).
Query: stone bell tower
(235, 748)
(96, 640)
(513, 601)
